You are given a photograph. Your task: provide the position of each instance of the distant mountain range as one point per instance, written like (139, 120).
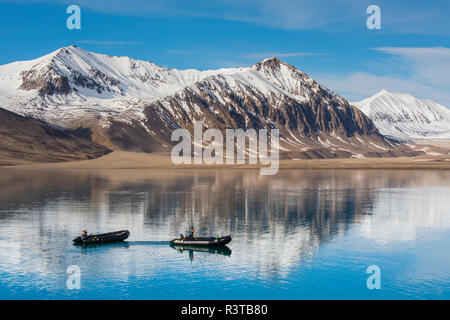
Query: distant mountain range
(404, 116)
(133, 105)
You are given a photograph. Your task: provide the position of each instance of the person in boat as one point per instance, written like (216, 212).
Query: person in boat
(191, 232)
(84, 234)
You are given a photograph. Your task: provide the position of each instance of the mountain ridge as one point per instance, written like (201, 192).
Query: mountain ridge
(134, 105)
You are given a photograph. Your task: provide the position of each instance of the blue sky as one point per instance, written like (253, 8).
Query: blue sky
(327, 39)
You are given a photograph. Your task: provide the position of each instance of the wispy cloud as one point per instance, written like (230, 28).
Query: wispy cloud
(422, 17)
(177, 52)
(431, 65)
(107, 43)
(279, 55)
(360, 85)
(429, 76)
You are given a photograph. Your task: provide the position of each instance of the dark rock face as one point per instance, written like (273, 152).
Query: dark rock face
(49, 83)
(97, 81)
(58, 86)
(62, 85)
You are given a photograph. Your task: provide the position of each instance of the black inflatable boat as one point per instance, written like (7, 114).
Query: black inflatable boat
(109, 237)
(201, 241)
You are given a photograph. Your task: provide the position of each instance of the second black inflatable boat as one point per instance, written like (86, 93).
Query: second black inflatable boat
(201, 241)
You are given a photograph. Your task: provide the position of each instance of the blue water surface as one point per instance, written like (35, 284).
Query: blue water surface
(297, 235)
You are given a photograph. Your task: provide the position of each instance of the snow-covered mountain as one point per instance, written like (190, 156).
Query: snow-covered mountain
(404, 116)
(135, 105)
(71, 83)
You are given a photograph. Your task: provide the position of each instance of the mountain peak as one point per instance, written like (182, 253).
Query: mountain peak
(402, 115)
(272, 59)
(68, 49)
(275, 65)
(383, 92)
(271, 63)
(407, 98)
(72, 46)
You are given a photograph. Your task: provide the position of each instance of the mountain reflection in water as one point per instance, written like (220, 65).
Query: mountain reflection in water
(278, 223)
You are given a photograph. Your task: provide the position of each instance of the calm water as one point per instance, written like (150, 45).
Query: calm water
(297, 235)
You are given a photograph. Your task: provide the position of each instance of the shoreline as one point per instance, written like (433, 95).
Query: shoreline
(121, 160)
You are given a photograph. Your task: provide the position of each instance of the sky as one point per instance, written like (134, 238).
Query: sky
(327, 39)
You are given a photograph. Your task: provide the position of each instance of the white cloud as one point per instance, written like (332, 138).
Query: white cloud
(422, 17)
(429, 64)
(428, 78)
(279, 55)
(289, 14)
(107, 43)
(360, 85)
(177, 52)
